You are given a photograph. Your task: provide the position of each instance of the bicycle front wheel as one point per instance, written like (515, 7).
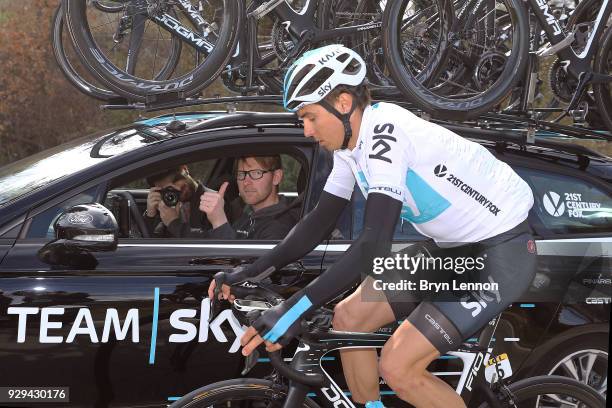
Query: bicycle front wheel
(495, 65)
(125, 50)
(550, 391)
(238, 393)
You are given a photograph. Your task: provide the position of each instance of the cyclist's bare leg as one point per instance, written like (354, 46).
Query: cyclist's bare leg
(360, 366)
(406, 372)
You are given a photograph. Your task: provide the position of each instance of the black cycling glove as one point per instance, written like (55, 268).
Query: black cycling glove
(237, 275)
(282, 323)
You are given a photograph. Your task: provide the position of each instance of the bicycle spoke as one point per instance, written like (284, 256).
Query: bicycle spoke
(564, 402)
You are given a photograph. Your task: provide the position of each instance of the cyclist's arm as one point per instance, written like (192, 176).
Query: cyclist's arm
(316, 226)
(281, 324)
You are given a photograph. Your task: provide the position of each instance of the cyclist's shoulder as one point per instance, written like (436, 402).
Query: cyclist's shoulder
(379, 109)
(385, 115)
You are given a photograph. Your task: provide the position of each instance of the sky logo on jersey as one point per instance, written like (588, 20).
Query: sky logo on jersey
(441, 171)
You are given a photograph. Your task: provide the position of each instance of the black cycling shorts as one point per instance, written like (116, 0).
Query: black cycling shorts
(447, 318)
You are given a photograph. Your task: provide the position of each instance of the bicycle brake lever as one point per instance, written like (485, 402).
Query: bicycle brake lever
(215, 307)
(250, 361)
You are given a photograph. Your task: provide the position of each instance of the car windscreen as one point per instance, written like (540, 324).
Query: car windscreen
(33, 172)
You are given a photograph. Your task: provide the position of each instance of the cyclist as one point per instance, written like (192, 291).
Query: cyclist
(451, 189)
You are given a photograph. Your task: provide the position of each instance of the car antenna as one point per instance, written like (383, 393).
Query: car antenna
(175, 125)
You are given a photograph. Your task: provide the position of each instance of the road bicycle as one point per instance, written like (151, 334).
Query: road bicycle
(293, 385)
(113, 44)
(492, 38)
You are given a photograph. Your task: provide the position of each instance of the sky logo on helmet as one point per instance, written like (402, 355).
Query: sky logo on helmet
(324, 89)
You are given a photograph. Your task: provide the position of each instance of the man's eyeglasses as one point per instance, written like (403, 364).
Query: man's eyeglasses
(253, 174)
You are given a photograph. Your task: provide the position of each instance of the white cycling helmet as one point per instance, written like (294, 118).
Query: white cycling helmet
(318, 72)
(314, 75)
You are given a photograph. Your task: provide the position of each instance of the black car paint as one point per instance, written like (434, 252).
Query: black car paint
(121, 373)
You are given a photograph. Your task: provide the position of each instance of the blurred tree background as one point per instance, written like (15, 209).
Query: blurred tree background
(39, 108)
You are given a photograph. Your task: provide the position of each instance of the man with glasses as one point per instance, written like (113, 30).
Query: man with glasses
(267, 214)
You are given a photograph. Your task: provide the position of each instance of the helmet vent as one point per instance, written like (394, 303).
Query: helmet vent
(343, 57)
(352, 68)
(316, 81)
(298, 78)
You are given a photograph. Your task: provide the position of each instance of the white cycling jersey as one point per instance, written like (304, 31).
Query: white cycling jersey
(453, 190)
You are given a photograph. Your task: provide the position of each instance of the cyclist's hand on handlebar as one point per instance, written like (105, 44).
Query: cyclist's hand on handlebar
(223, 294)
(226, 279)
(251, 340)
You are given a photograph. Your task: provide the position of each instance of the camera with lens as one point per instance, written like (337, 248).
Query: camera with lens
(170, 196)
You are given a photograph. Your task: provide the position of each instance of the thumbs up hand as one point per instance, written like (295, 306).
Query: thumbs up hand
(212, 204)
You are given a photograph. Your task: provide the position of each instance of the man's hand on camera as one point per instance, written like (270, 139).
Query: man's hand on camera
(169, 214)
(212, 203)
(153, 200)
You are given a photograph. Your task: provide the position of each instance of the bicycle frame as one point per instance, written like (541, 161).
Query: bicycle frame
(139, 10)
(578, 63)
(299, 24)
(307, 359)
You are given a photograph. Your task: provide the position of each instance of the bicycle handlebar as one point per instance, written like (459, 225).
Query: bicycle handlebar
(314, 379)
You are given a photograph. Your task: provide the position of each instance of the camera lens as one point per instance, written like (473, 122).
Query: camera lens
(170, 196)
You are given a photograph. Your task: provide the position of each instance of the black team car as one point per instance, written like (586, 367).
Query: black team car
(122, 319)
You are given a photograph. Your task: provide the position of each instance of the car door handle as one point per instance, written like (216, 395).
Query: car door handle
(221, 260)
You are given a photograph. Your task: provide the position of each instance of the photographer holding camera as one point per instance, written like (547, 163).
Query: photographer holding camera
(172, 204)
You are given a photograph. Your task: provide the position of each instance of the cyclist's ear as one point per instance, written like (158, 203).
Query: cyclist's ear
(344, 103)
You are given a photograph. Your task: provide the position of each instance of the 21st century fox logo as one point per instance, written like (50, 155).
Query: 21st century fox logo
(442, 171)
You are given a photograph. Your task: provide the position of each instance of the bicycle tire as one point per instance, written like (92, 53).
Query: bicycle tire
(68, 70)
(443, 107)
(603, 92)
(136, 89)
(532, 390)
(253, 389)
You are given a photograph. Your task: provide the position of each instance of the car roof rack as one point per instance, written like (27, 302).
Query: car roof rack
(503, 124)
(250, 119)
(173, 100)
(501, 139)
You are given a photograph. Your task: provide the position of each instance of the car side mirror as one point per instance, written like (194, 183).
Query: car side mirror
(79, 231)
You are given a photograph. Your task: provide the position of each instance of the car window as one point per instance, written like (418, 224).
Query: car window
(404, 231)
(291, 172)
(566, 204)
(188, 221)
(42, 224)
